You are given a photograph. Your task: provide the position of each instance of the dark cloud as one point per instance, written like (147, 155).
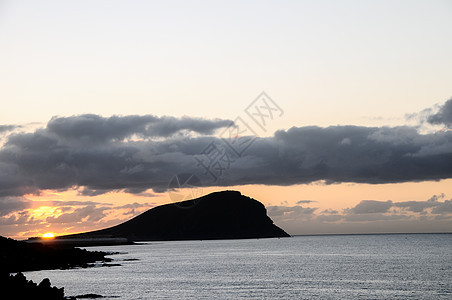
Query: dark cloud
(372, 206)
(443, 116)
(89, 151)
(330, 218)
(305, 201)
(375, 217)
(415, 206)
(7, 128)
(370, 155)
(96, 155)
(60, 203)
(366, 211)
(371, 215)
(136, 205)
(434, 205)
(420, 206)
(17, 219)
(94, 128)
(443, 208)
(291, 212)
(83, 214)
(12, 204)
(135, 208)
(89, 213)
(84, 191)
(330, 211)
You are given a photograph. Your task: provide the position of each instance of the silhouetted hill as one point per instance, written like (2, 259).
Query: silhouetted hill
(220, 215)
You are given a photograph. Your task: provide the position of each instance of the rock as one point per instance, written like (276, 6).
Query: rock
(18, 287)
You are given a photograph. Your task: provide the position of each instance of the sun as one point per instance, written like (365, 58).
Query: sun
(48, 235)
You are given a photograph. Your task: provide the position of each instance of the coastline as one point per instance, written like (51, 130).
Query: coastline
(19, 256)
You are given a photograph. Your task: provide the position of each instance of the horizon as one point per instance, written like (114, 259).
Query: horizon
(336, 116)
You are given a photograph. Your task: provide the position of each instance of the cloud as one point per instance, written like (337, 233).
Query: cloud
(305, 201)
(375, 217)
(61, 203)
(81, 150)
(330, 211)
(66, 215)
(415, 206)
(135, 208)
(422, 206)
(84, 191)
(12, 204)
(97, 155)
(443, 116)
(443, 208)
(434, 205)
(89, 213)
(290, 212)
(17, 219)
(369, 211)
(7, 128)
(330, 218)
(371, 215)
(135, 205)
(97, 129)
(431, 215)
(436, 115)
(92, 212)
(372, 206)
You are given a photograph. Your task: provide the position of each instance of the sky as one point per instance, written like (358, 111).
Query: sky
(337, 115)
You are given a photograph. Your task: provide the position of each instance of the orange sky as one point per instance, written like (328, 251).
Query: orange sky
(324, 197)
(325, 63)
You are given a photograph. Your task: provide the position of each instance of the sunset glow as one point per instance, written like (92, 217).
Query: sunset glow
(307, 145)
(336, 130)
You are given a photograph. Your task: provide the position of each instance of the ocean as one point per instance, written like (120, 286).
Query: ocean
(393, 266)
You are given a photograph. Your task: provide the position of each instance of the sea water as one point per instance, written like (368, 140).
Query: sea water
(398, 266)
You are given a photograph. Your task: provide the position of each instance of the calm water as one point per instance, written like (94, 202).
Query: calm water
(304, 267)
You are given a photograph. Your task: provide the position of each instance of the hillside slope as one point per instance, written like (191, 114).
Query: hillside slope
(219, 215)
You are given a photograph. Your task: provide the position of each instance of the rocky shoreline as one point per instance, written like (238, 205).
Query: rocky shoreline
(17, 257)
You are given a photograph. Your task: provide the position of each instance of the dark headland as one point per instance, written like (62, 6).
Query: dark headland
(219, 215)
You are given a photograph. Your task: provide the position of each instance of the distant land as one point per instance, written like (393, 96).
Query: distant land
(219, 215)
